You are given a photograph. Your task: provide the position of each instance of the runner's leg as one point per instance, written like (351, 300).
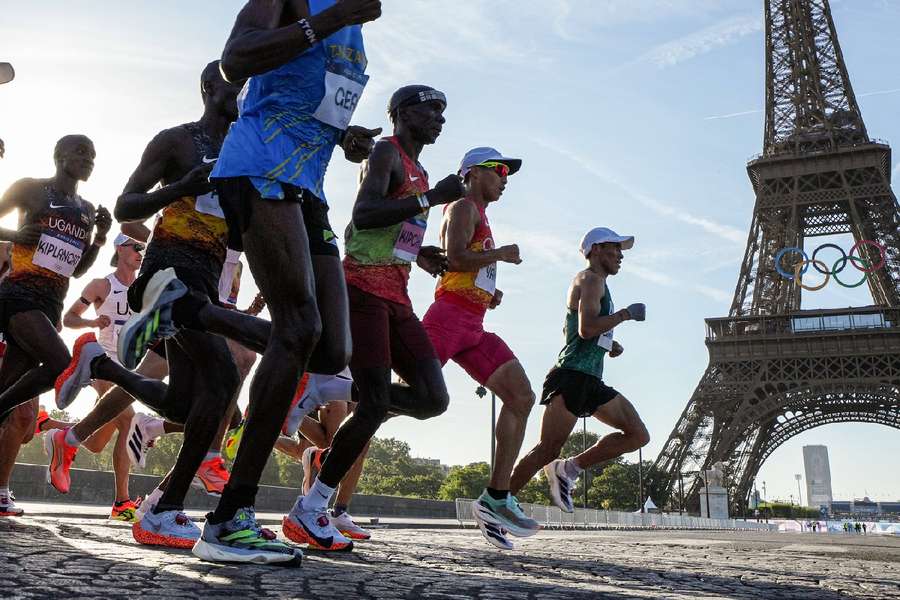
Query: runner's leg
(620, 414)
(556, 425)
(511, 385)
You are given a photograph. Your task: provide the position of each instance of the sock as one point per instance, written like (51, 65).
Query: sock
(339, 509)
(234, 497)
(155, 428)
(4, 491)
(72, 437)
(572, 470)
(318, 497)
(497, 494)
(211, 455)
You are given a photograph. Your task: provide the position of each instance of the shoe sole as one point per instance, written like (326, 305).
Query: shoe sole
(50, 449)
(215, 553)
(493, 533)
(555, 495)
(356, 536)
(69, 382)
(299, 535)
(489, 518)
(16, 513)
(148, 538)
(157, 295)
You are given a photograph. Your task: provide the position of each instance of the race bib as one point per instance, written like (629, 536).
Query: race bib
(409, 242)
(56, 255)
(343, 88)
(605, 341)
(208, 204)
(486, 279)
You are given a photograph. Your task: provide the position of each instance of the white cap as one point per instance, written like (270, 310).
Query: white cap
(121, 239)
(477, 156)
(602, 235)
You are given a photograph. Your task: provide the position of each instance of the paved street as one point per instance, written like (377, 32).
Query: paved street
(77, 557)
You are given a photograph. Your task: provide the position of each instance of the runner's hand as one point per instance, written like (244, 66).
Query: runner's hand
(510, 254)
(102, 322)
(358, 142)
(617, 349)
(433, 260)
(357, 12)
(449, 189)
(102, 221)
(259, 303)
(638, 311)
(496, 300)
(196, 182)
(29, 235)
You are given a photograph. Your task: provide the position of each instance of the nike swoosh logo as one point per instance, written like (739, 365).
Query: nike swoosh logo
(209, 160)
(118, 291)
(57, 205)
(411, 178)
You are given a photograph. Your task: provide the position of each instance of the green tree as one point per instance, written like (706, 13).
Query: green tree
(391, 471)
(617, 487)
(465, 481)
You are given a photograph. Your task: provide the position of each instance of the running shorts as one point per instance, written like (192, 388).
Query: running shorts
(582, 393)
(458, 334)
(237, 196)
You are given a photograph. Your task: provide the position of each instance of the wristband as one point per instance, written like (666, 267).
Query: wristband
(423, 201)
(308, 31)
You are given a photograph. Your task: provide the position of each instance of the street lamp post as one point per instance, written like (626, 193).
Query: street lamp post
(584, 476)
(640, 481)
(798, 477)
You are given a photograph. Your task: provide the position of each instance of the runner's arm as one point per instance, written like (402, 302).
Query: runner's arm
(102, 223)
(17, 197)
(136, 230)
(257, 44)
(372, 208)
(137, 203)
(95, 291)
(590, 323)
(461, 220)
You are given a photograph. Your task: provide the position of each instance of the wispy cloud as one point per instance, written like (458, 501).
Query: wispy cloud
(757, 111)
(703, 41)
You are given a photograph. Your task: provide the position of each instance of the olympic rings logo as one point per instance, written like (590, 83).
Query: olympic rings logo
(801, 267)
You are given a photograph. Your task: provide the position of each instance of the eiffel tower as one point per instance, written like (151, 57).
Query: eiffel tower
(775, 370)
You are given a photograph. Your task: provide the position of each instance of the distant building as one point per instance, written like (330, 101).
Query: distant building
(864, 508)
(432, 462)
(818, 476)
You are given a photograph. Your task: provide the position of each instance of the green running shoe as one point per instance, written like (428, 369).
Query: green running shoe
(242, 540)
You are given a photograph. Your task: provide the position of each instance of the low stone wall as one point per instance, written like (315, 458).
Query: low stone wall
(29, 482)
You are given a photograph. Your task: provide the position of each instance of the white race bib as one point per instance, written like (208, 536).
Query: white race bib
(57, 255)
(343, 88)
(409, 241)
(486, 279)
(605, 341)
(208, 204)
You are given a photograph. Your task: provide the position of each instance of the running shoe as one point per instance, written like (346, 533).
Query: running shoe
(78, 374)
(8, 506)
(505, 514)
(234, 442)
(345, 524)
(560, 485)
(211, 476)
(140, 439)
(126, 511)
(171, 528)
(154, 321)
(61, 457)
(42, 418)
(148, 503)
(312, 463)
(242, 540)
(300, 407)
(313, 527)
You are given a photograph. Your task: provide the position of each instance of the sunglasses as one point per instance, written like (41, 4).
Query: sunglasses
(499, 168)
(137, 247)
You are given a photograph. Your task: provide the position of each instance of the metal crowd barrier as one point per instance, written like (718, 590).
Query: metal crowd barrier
(551, 517)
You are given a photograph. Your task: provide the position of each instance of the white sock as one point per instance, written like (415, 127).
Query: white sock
(318, 497)
(211, 455)
(72, 437)
(571, 468)
(4, 491)
(155, 428)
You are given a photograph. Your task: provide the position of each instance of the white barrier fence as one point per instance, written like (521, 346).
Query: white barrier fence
(551, 517)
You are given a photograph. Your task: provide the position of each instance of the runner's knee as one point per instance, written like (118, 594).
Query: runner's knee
(638, 434)
(21, 421)
(244, 359)
(434, 402)
(297, 340)
(520, 403)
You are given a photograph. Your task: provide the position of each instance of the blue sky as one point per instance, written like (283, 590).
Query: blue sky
(639, 115)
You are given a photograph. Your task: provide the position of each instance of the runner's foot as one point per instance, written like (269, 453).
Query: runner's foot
(124, 511)
(78, 374)
(140, 438)
(313, 526)
(560, 485)
(154, 322)
(8, 506)
(345, 524)
(211, 476)
(172, 529)
(504, 514)
(61, 457)
(242, 540)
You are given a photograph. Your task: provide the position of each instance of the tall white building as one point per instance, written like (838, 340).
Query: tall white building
(818, 476)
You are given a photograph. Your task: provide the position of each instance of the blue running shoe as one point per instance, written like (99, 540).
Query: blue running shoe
(154, 322)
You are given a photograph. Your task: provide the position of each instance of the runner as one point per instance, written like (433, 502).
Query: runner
(454, 323)
(574, 387)
(384, 239)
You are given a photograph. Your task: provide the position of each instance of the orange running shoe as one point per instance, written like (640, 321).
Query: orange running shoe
(171, 528)
(41, 419)
(124, 511)
(211, 476)
(295, 532)
(312, 463)
(61, 456)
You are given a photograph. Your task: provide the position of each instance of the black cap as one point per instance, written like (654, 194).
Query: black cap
(414, 94)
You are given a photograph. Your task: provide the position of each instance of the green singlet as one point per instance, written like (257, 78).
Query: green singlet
(586, 355)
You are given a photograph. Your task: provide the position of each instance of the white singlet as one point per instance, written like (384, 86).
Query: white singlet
(115, 306)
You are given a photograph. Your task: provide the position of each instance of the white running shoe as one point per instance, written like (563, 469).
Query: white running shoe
(171, 528)
(140, 439)
(317, 525)
(147, 504)
(560, 485)
(8, 506)
(345, 524)
(78, 374)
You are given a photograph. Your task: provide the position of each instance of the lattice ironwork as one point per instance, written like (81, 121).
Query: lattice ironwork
(771, 374)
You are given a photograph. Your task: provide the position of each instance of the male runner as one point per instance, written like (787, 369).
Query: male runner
(108, 297)
(574, 387)
(383, 240)
(455, 325)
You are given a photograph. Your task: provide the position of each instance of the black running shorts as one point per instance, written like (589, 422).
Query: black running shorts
(582, 393)
(237, 196)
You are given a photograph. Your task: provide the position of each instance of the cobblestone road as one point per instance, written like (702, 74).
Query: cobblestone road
(73, 558)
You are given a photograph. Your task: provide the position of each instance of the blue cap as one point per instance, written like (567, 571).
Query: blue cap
(477, 156)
